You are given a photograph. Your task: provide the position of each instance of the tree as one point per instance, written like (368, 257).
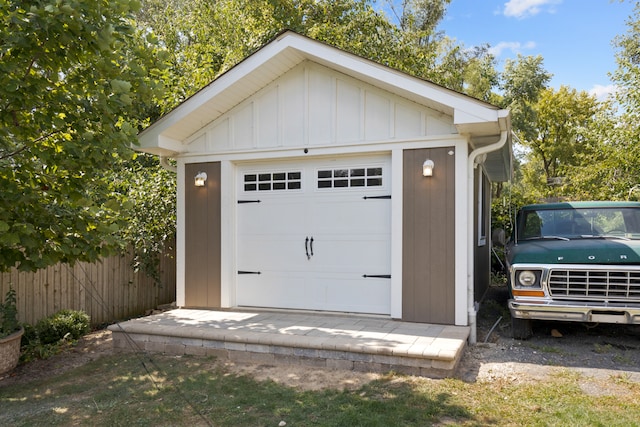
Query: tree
(470, 71)
(420, 17)
(603, 171)
(610, 168)
(562, 130)
(148, 195)
(627, 75)
(523, 80)
(76, 83)
(624, 138)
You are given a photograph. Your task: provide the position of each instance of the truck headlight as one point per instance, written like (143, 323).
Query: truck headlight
(526, 282)
(527, 278)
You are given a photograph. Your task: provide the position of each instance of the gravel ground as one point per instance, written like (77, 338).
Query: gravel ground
(601, 351)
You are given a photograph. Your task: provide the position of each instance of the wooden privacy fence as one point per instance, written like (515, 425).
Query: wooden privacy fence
(107, 290)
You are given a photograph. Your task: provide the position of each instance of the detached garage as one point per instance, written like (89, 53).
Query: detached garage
(312, 179)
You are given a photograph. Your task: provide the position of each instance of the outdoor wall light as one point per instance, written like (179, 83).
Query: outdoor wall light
(427, 168)
(200, 179)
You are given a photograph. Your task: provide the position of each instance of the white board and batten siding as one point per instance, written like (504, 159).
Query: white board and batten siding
(313, 106)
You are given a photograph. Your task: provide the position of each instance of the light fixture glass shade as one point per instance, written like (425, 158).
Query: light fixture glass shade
(201, 178)
(427, 168)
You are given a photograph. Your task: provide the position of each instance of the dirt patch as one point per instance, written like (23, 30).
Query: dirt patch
(305, 378)
(90, 347)
(601, 356)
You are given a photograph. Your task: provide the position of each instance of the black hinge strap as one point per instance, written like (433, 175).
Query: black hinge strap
(249, 272)
(248, 201)
(377, 197)
(377, 276)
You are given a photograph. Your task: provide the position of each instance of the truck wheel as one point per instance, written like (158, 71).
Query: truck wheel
(521, 328)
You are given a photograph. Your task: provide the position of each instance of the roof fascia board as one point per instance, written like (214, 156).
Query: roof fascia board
(169, 144)
(467, 117)
(154, 142)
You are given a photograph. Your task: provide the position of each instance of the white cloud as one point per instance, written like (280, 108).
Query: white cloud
(514, 47)
(524, 8)
(602, 92)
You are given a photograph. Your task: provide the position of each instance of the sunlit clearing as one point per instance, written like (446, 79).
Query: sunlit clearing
(47, 392)
(152, 392)
(60, 410)
(16, 399)
(144, 377)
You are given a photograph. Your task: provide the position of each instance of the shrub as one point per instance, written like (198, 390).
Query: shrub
(8, 314)
(69, 324)
(30, 334)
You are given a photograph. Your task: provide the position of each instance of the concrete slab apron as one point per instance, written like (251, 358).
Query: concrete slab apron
(322, 340)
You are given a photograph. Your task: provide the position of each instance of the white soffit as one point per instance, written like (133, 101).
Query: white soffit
(164, 137)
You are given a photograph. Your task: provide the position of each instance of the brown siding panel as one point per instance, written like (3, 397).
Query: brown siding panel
(428, 282)
(482, 254)
(202, 236)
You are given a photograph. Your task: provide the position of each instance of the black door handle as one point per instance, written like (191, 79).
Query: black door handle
(311, 245)
(306, 247)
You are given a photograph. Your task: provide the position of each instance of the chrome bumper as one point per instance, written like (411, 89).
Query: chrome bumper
(575, 312)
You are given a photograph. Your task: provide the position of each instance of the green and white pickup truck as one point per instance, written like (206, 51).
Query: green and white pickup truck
(576, 262)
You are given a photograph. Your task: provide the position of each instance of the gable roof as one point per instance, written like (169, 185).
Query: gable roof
(481, 121)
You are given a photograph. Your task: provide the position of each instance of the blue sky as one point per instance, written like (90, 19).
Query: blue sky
(573, 36)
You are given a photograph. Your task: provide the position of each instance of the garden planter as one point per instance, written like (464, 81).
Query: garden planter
(10, 351)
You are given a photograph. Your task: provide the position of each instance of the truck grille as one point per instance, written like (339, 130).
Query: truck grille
(596, 285)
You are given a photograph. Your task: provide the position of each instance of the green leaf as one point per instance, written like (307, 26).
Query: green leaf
(61, 136)
(9, 239)
(120, 86)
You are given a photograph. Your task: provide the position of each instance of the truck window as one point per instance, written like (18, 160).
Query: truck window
(573, 223)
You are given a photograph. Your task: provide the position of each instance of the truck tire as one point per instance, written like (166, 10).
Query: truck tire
(521, 328)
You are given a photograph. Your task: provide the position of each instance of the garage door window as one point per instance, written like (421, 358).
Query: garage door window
(273, 181)
(353, 177)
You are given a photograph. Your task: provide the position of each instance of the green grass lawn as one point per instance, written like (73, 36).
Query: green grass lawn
(193, 391)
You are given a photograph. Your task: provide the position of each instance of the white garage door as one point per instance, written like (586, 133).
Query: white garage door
(315, 235)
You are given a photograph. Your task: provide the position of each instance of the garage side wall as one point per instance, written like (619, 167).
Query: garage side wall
(482, 242)
(203, 242)
(428, 279)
